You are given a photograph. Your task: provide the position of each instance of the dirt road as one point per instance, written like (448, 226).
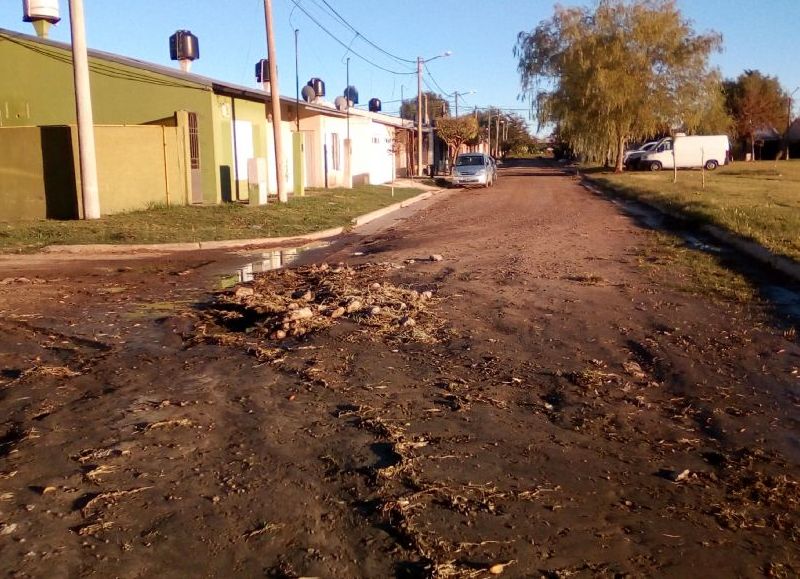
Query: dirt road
(564, 403)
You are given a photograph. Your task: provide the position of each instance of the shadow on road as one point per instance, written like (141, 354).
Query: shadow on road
(534, 168)
(778, 291)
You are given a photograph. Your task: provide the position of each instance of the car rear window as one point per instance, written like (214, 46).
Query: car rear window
(469, 160)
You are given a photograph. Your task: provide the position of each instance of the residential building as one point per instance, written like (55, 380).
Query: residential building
(206, 133)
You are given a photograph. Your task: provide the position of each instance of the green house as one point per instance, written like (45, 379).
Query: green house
(163, 135)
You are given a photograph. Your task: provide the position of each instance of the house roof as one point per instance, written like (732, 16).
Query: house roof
(217, 86)
(794, 131)
(767, 134)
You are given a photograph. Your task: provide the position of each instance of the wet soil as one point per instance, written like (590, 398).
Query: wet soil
(574, 414)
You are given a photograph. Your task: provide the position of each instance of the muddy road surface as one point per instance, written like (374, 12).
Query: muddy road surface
(517, 381)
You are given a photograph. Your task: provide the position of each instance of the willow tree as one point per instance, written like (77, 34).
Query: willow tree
(623, 71)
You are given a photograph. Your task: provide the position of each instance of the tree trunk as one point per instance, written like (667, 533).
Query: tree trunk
(620, 154)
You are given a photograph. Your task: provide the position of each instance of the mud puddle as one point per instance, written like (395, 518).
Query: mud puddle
(266, 261)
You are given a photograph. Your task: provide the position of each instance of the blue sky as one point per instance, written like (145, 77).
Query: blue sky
(480, 33)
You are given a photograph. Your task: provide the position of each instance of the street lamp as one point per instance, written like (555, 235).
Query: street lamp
(457, 94)
(420, 62)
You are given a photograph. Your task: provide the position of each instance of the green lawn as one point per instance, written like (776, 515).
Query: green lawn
(319, 209)
(759, 201)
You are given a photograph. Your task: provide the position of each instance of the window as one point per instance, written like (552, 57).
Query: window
(465, 160)
(194, 142)
(335, 151)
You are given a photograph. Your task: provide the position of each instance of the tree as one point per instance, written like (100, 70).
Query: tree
(623, 71)
(756, 102)
(515, 137)
(455, 131)
(437, 107)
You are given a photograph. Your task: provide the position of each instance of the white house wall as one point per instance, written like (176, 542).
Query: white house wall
(287, 128)
(372, 156)
(381, 155)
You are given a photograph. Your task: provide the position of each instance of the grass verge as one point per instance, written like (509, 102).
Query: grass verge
(694, 271)
(318, 210)
(758, 201)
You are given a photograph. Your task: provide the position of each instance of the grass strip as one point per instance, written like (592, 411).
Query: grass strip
(318, 210)
(759, 201)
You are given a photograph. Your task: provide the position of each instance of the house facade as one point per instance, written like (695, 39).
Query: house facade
(215, 136)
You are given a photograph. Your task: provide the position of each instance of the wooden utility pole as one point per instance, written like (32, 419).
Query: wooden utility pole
(275, 100)
(419, 116)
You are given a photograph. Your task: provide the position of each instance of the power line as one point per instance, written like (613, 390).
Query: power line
(447, 94)
(334, 37)
(344, 21)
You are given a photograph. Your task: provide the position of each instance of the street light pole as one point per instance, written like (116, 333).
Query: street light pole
(83, 102)
(419, 116)
(296, 81)
(420, 62)
(461, 94)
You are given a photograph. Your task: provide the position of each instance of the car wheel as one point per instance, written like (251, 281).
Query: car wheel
(655, 166)
(711, 165)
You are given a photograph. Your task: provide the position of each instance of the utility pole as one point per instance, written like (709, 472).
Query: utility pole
(461, 94)
(298, 142)
(420, 62)
(348, 144)
(489, 125)
(419, 116)
(275, 100)
(83, 103)
(296, 79)
(789, 119)
(497, 136)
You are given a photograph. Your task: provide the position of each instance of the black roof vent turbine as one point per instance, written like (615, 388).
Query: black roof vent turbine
(184, 47)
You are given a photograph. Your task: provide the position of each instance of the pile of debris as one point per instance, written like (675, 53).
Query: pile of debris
(292, 303)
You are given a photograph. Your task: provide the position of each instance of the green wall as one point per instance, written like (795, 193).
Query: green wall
(21, 176)
(136, 165)
(42, 94)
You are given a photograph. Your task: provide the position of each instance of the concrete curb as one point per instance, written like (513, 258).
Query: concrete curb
(751, 249)
(108, 248)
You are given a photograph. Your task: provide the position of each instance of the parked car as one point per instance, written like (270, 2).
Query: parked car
(630, 159)
(474, 169)
(687, 152)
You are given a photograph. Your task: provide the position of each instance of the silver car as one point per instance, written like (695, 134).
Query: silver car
(474, 169)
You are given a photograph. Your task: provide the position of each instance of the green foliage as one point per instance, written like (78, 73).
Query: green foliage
(756, 101)
(437, 107)
(513, 131)
(756, 200)
(456, 131)
(623, 71)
